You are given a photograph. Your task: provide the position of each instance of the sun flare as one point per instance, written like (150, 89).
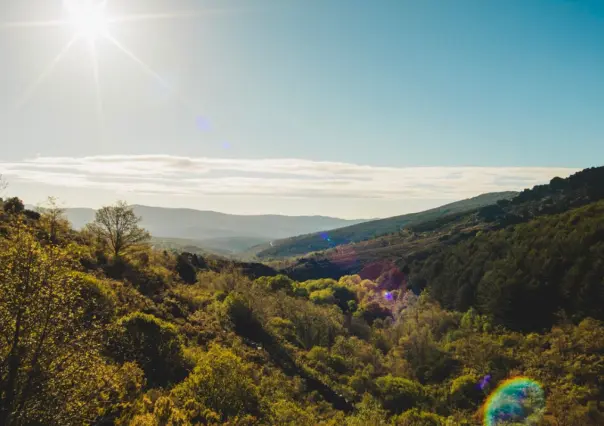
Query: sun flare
(88, 18)
(90, 22)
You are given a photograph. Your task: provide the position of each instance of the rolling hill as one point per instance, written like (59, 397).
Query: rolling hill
(393, 253)
(217, 232)
(304, 244)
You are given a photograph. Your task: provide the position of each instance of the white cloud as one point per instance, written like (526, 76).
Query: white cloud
(191, 176)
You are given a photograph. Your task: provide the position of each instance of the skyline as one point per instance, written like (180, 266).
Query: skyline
(402, 94)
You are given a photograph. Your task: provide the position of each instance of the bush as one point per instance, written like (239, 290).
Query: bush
(465, 392)
(186, 270)
(398, 394)
(415, 417)
(322, 297)
(98, 299)
(276, 283)
(154, 344)
(222, 382)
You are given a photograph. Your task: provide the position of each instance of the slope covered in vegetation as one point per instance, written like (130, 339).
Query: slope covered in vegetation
(525, 275)
(149, 337)
(303, 244)
(396, 251)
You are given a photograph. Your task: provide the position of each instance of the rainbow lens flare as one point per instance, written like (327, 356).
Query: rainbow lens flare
(518, 400)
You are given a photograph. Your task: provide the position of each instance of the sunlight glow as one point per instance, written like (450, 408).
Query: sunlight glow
(155, 16)
(88, 18)
(31, 24)
(90, 22)
(97, 85)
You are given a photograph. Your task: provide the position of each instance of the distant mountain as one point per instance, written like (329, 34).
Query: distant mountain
(215, 231)
(303, 244)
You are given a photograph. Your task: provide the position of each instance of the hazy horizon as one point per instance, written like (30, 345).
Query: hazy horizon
(300, 206)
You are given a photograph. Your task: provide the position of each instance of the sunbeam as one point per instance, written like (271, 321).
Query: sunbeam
(32, 88)
(97, 85)
(136, 59)
(32, 24)
(148, 70)
(159, 16)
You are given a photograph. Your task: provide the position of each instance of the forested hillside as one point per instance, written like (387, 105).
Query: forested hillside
(303, 244)
(392, 253)
(102, 330)
(525, 276)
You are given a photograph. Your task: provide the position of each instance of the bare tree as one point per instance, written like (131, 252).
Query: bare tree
(118, 226)
(53, 218)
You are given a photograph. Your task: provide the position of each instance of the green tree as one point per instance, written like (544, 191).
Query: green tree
(185, 268)
(222, 382)
(118, 227)
(398, 394)
(50, 368)
(13, 205)
(368, 412)
(415, 417)
(276, 283)
(154, 344)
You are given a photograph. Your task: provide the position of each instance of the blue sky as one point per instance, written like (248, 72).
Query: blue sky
(508, 93)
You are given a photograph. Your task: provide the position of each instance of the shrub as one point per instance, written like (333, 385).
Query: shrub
(398, 394)
(154, 344)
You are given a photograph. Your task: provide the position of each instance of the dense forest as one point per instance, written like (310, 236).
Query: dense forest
(99, 328)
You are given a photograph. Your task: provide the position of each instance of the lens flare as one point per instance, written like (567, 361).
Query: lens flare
(518, 400)
(484, 382)
(203, 123)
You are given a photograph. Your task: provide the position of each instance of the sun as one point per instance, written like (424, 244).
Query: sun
(90, 23)
(88, 18)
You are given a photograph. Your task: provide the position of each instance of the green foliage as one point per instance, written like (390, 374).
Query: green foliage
(398, 394)
(154, 344)
(283, 412)
(368, 412)
(222, 382)
(13, 205)
(323, 297)
(47, 340)
(185, 268)
(309, 243)
(98, 300)
(155, 338)
(523, 276)
(465, 392)
(276, 283)
(415, 417)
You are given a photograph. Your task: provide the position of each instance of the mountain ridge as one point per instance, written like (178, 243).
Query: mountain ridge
(304, 244)
(224, 232)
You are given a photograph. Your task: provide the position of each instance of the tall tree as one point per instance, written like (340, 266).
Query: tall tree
(51, 371)
(119, 228)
